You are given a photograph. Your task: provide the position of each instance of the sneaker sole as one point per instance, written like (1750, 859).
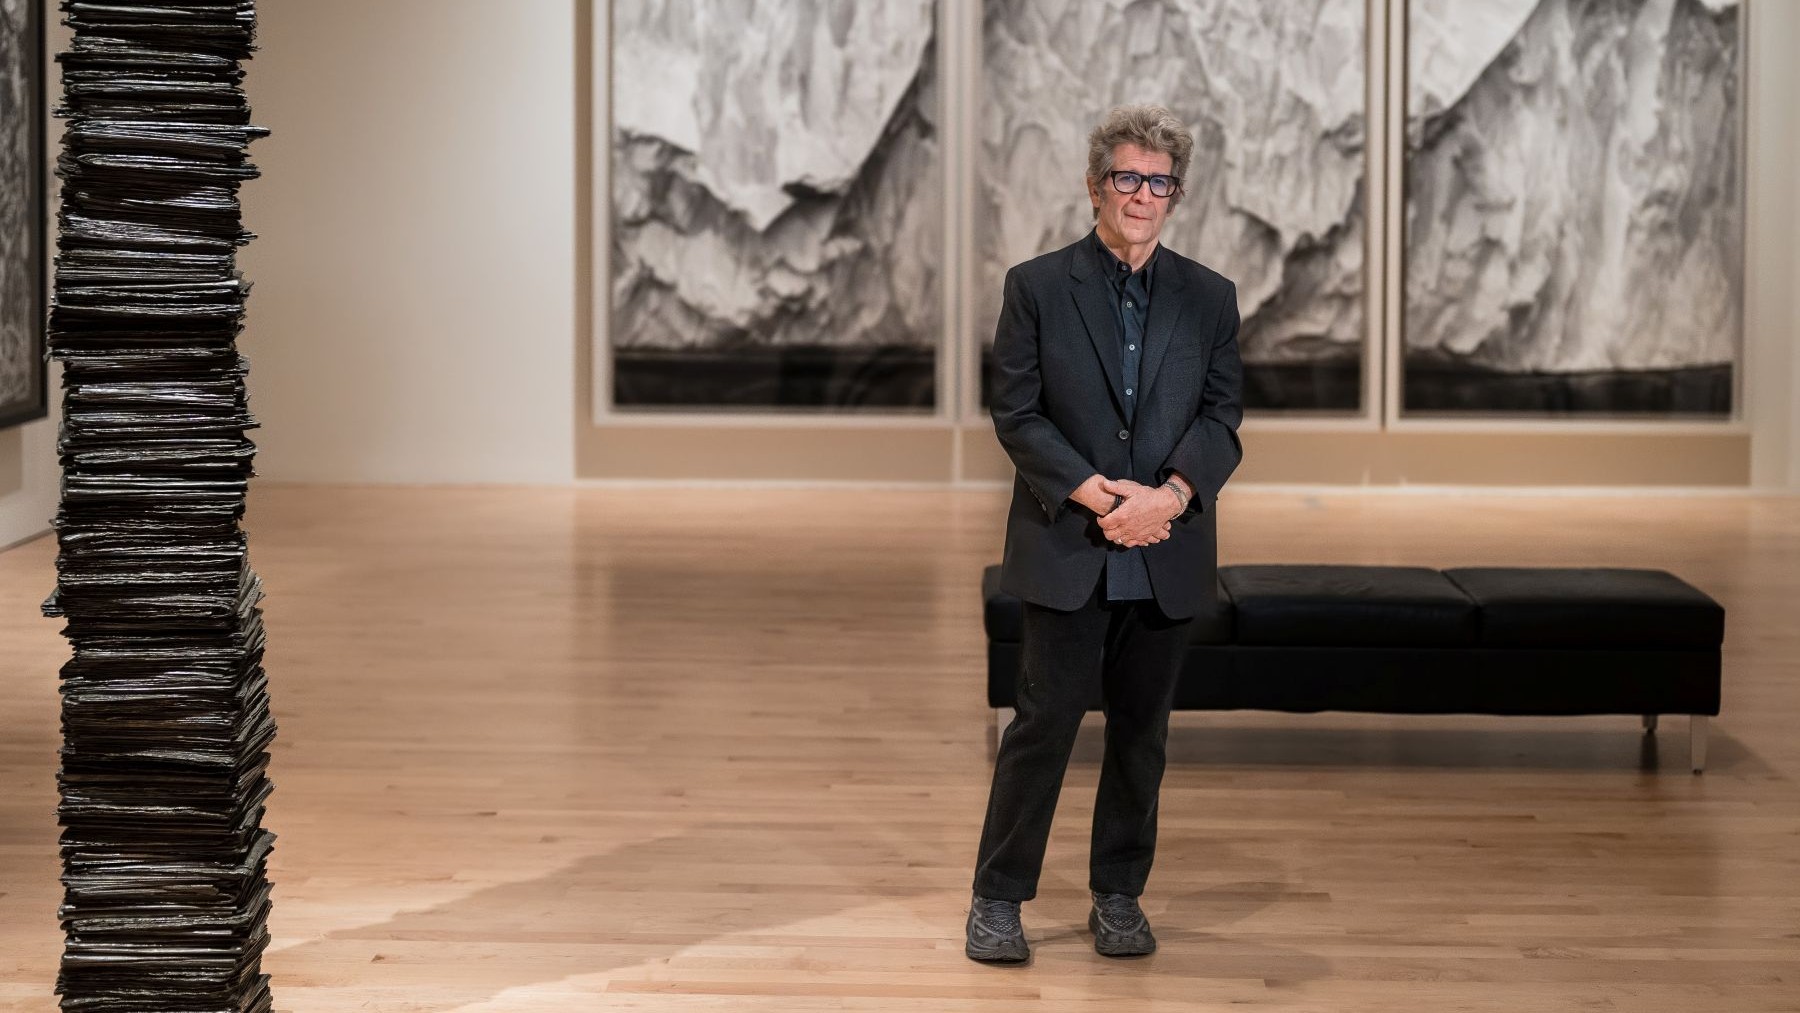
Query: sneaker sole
(996, 956)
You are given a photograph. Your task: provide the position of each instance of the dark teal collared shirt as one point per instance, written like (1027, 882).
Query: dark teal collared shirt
(1127, 578)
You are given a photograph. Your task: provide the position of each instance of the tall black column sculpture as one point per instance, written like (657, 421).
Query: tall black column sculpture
(166, 721)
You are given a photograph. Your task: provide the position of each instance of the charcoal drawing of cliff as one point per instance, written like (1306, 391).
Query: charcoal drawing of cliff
(777, 212)
(1275, 96)
(1574, 207)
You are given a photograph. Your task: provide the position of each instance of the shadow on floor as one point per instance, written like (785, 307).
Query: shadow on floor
(1533, 743)
(853, 896)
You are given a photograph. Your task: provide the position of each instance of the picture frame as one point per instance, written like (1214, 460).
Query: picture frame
(1522, 348)
(1288, 102)
(829, 231)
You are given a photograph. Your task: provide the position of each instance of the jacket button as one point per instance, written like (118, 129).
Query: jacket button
(1124, 434)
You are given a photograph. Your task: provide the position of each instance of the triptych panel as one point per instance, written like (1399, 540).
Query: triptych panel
(1574, 208)
(777, 207)
(1274, 95)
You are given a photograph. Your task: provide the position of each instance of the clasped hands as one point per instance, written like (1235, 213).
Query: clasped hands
(1143, 516)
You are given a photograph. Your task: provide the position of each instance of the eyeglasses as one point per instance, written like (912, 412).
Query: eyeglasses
(1126, 181)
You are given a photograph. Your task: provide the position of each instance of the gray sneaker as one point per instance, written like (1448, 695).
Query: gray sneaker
(995, 933)
(1119, 926)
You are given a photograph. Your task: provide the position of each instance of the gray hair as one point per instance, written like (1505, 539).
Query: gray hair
(1154, 128)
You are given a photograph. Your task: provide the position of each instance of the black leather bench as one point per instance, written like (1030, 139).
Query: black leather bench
(1414, 640)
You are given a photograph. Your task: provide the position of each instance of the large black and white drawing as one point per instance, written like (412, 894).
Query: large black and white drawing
(1275, 95)
(22, 390)
(777, 211)
(1573, 207)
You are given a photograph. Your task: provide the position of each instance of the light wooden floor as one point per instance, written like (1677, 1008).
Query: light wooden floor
(557, 750)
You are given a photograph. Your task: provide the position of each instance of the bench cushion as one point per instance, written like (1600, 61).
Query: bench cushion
(1590, 607)
(1348, 606)
(1004, 615)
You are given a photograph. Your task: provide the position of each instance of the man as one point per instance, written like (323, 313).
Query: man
(1117, 395)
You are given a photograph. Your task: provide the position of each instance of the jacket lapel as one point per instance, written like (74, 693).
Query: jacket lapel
(1167, 299)
(1093, 298)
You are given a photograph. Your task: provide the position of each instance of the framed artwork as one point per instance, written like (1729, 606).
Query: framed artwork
(23, 396)
(777, 213)
(1574, 211)
(1275, 94)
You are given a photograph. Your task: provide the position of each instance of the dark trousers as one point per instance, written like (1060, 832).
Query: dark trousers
(1136, 653)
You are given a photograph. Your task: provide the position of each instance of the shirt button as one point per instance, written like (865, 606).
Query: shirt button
(1128, 392)
(1128, 304)
(1131, 348)
(1124, 434)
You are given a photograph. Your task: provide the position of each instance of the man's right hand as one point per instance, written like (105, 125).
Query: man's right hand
(1145, 517)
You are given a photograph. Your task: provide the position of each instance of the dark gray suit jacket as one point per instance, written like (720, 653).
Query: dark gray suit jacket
(1057, 403)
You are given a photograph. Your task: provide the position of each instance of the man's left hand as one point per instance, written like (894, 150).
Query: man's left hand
(1143, 518)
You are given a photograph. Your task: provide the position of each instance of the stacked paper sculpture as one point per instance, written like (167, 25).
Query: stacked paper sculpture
(166, 718)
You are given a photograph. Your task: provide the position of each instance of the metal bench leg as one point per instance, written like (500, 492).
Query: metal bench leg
(1697, 728)
(1650, 724)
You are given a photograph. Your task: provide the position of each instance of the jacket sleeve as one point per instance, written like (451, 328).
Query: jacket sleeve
(1210, 450)
(1050, 466)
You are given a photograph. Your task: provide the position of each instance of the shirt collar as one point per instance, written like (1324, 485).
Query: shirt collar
(1117, 270)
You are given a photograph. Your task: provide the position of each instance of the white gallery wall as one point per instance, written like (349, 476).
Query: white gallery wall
(413, 315)
(1772, 365)
(30, 479)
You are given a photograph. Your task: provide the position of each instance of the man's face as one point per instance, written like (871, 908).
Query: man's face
(1131, 218)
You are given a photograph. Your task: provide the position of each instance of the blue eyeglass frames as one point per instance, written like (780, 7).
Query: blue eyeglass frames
(1126, 181)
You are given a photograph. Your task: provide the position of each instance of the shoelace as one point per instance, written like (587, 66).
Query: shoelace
(1118, 910)
(1002, 915)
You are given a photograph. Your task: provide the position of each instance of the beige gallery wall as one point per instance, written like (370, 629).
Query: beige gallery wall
(29, 476)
